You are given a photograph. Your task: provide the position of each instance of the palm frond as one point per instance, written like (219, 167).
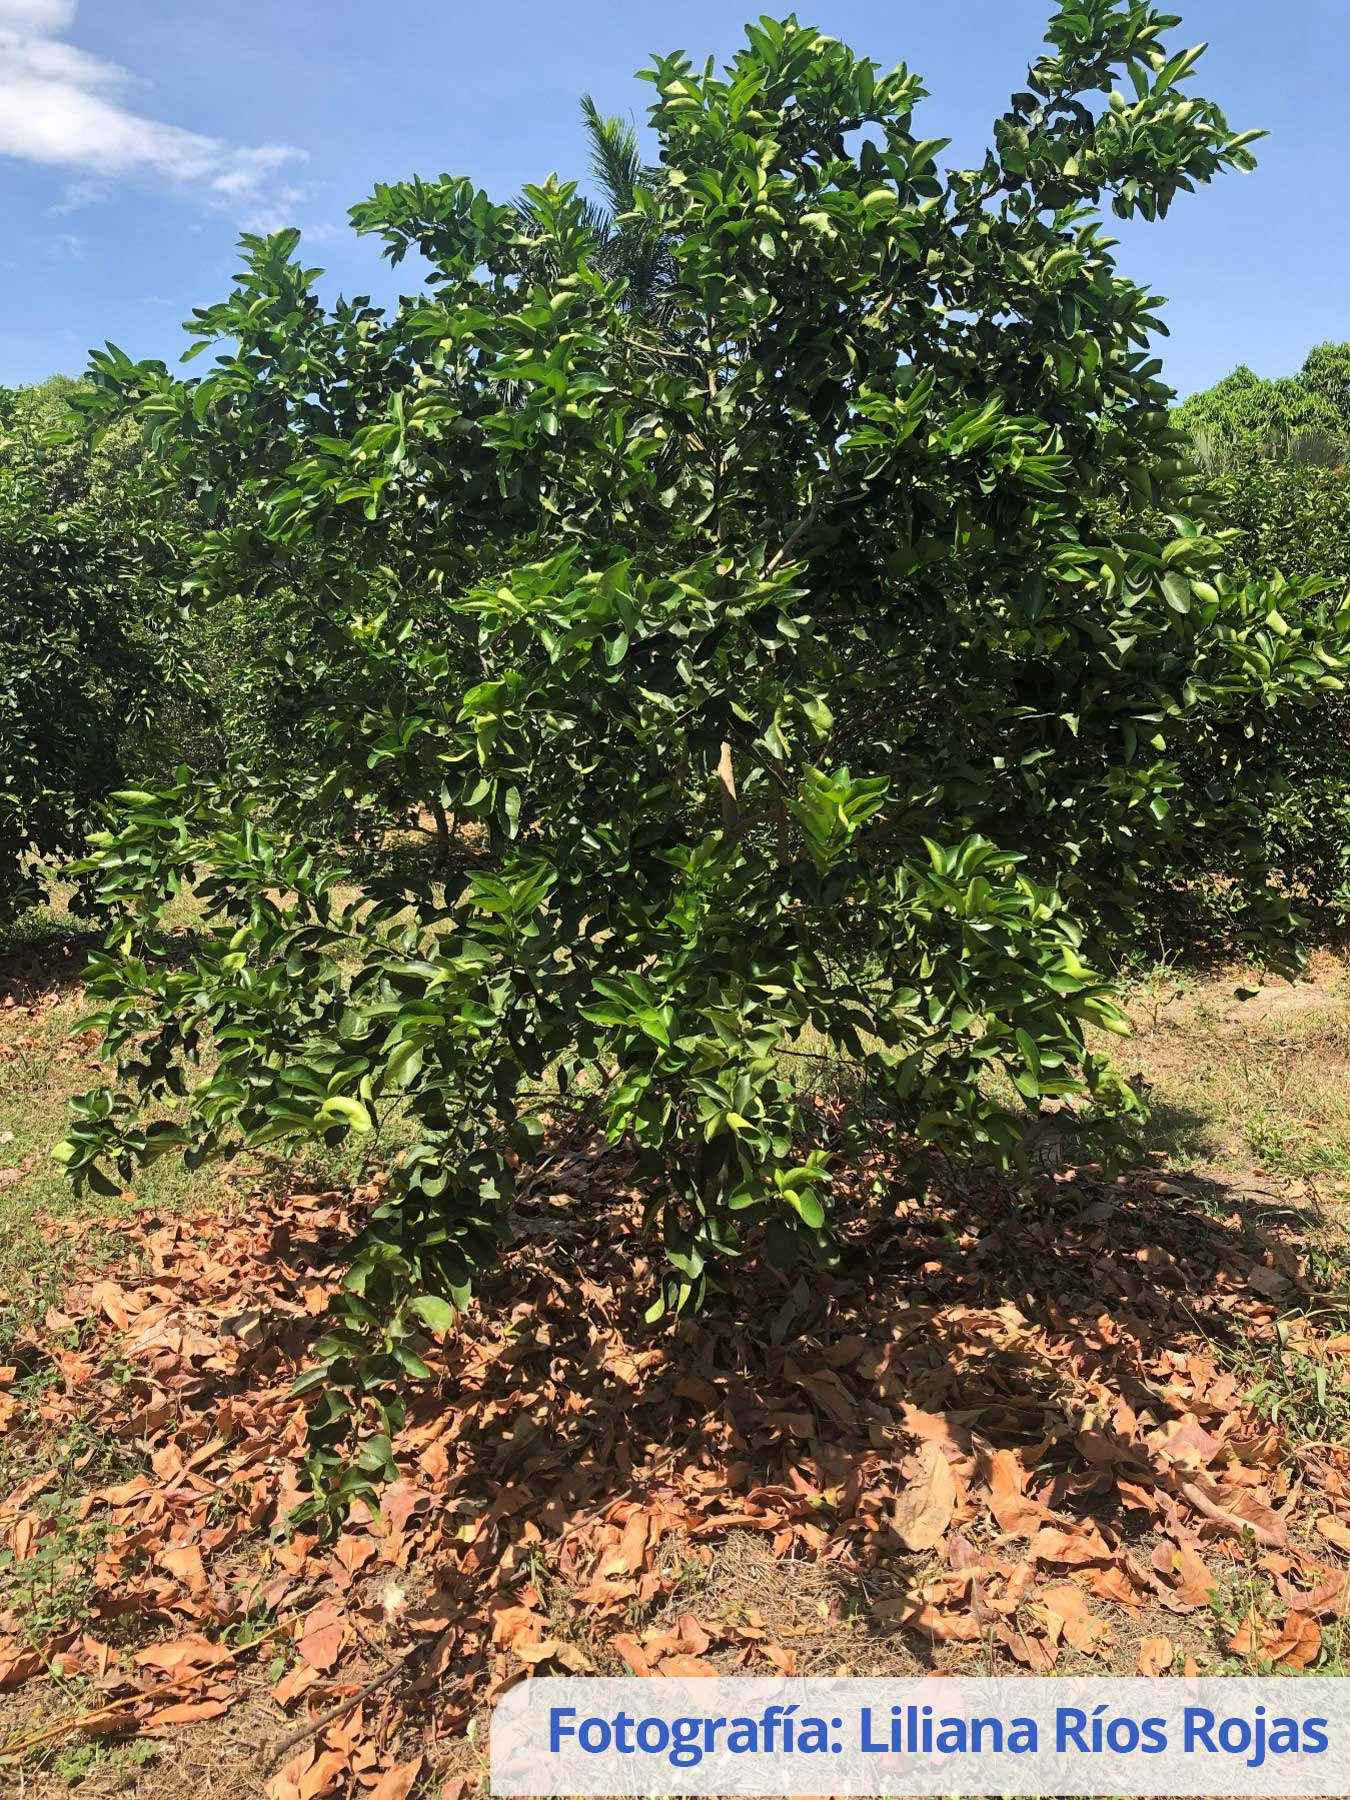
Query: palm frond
(616, 161)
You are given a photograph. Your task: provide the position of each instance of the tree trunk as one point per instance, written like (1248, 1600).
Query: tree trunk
(442, 834)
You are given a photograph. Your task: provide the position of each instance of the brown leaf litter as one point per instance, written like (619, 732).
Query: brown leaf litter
(1001, 1436)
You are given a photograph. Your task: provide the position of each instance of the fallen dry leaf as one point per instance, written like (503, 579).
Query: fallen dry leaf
(1296, 1645)
(1188, 1582)
(1329, 1595)
(1064, 1611)
(923, 1512)
(190, 1712)
(1014, 1513)
(397, 1783)
(1334, 1530)
(564, 1463)
(309, 1775)
(182, 1656)
(324, 1636)
(185, 1565)
(18, 1666)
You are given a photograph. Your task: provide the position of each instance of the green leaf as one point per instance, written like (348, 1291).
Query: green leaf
(437, 1315)
(344, 1110)
(1177, 591)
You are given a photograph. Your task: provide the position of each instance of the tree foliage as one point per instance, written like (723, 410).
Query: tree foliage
(1303, 418)
(84, 658)
(755, 631)
(1276, 451)
(1294, 518)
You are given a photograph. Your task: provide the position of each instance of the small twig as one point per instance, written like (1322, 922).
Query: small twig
(580, 1525)
(800, 531)
(312, 1727)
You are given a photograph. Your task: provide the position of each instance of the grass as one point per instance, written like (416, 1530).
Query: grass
(1237, 1082)
(1245, 1594)
(44, 1061)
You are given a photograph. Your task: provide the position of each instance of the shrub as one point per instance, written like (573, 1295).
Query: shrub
(755, 632)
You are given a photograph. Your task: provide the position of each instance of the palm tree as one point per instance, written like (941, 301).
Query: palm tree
(627, 245)
(624, 244)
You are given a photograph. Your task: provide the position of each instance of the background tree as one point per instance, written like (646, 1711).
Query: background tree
(1295, 517)
(1303, 418)
(86, 656)
(768, 653)
(627, 244)
(1273, 454)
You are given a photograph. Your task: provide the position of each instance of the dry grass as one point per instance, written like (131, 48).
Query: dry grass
(1249, 1077)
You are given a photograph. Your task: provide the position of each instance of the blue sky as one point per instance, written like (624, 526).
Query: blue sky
(137, 137)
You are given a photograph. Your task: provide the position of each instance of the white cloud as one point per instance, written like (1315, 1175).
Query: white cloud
(39, 18)
(63, 107)
(87, 191)
(275, 208)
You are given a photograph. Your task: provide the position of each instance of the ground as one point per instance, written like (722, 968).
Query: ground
(1085, 1424)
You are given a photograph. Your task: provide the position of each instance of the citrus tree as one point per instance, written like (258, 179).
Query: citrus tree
(1276, 452)
(1294, 517)
(750, 624)
(85, 657)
